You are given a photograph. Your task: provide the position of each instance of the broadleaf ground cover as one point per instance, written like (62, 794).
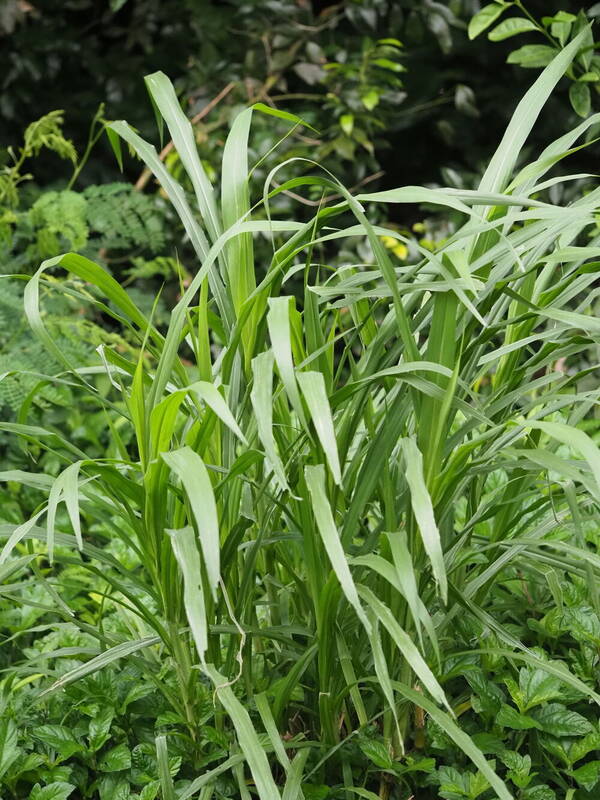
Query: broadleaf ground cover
(328, 526)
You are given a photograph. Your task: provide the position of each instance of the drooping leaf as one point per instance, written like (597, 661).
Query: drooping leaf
(184, 546)
(247, 738)
(405, 645)
(315, 480)
(460, 738)
(262, 403)
(190, 469)
(423, 511)
(315, 394)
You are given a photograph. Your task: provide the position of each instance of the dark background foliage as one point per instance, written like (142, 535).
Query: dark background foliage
(455, 98)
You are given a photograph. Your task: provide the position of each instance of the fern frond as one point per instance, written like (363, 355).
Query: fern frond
(47, 132)
(59, 218)
(124, 218)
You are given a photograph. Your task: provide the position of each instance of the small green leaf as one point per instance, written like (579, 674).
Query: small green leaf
(392, 66)
(370, 99)
(532, 56)
(99, 730)
(486, 17)
(150, 791)
(540, 792)
(509, 717)
(314, 791)
(589, 77)
(511, 27)
(538, 686)
(581, 99)
(558, 720)
(560, 25)
(588, 775)
(59, 738)
(581, 747)
(376, 752)
(488, 743)
(478, 784)
(116, 759)
(347, 123)
(58, 790)
(417, 765)
(113, 786)
(560, 16)
(489, 697)
(519, 767)
(454, 785)
(515, 692)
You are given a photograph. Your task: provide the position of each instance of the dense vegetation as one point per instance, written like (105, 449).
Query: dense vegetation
(300, 475)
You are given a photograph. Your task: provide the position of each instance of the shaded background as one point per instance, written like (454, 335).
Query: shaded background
(455, 98)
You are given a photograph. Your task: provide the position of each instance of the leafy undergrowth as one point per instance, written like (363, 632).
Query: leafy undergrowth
(98, 734)
(342, 540)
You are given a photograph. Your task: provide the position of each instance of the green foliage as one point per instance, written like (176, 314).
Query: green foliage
(46, 133)
(43, 134)
(325, 522)
(317, 59)
(124, 219)
(112, 222)
(58, 218)
(557, 29)
(330, 536)
(356, 86)
(22, 364)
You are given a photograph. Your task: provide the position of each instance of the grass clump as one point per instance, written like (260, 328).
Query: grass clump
(322, 507)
